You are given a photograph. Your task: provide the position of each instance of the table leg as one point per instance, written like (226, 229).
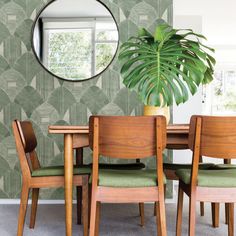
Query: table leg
(68, 165)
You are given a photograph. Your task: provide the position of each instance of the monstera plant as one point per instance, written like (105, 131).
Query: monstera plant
(166, 66)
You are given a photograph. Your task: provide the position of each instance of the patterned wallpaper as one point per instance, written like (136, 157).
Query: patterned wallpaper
(29, 92)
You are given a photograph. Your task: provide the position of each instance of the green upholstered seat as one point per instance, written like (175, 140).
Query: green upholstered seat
(173, 166)
(58, 171)
(213, 177)
(223, 166)
(127, 178)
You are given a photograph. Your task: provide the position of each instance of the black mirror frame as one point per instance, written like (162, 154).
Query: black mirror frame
(58, 77)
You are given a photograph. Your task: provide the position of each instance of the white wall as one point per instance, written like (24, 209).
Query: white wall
(216, 20)
(183, 112)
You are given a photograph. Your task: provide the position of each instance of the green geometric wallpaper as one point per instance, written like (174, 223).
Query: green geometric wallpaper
(29, 92)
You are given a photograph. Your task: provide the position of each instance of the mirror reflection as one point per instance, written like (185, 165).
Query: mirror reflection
(75, 39)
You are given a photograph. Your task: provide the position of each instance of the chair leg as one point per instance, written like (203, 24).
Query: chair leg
(215, 211)
(141, 213)
(89, 202)
(34, 205)
(93, 216)
(23, 208)
(227, 213)
(98, 212)
(155, 209)
(231, 219)
(192, 216)
(158, 222)
(79, 204)
(79, 162)
(179, 212)
(202, 211)
(161, 217)
(85, 200)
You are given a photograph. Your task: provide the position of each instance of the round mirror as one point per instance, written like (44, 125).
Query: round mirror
(75, 40)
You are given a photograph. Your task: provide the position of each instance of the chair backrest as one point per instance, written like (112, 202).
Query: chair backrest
(128, 137)
(217, 136)
(27, 135)
(26, 143)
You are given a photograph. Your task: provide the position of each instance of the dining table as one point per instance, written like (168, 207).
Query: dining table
(77, 137)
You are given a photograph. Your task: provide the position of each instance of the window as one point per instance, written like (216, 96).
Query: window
(220, 95)
(105, 44)
(78, 48)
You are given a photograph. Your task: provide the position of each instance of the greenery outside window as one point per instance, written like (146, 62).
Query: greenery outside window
(220, 95)
(84, 39)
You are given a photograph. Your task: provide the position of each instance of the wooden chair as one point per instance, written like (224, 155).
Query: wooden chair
(170, 173)
(137, 165)
(171, 168)
(127, 138)
(35, 177)
(212, 137)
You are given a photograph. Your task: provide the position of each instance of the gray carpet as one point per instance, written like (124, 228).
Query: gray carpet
(116, 220)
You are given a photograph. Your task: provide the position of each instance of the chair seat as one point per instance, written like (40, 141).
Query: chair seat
(59, 171)
(127, 178)
(224, 166)
(174, 166)
(217, 176)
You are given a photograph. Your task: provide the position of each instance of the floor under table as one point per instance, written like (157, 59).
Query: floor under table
(116, 220)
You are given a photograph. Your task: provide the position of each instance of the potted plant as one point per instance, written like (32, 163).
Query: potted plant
(165, 67)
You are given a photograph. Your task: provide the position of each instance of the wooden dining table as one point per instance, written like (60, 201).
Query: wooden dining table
(76, 137)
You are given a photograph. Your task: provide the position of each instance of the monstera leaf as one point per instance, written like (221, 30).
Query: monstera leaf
(165, 65)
